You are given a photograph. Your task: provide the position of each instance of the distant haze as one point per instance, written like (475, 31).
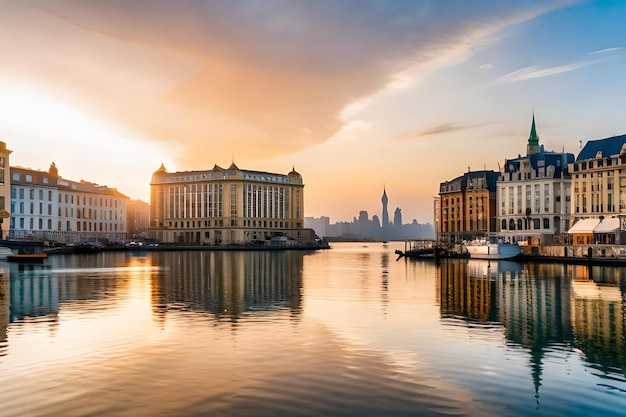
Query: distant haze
(355, 95)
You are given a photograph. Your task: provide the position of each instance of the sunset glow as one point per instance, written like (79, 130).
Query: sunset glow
(355, 95)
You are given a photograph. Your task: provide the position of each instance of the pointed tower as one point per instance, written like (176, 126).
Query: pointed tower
(384, 200)
(533, 140)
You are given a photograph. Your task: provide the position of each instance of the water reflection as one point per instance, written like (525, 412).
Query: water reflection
(345, 332)
(229, 284)
(544, 309)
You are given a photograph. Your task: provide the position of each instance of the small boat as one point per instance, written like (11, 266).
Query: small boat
(491, 248)
(417, 249)
(4, 252)
(27, 257)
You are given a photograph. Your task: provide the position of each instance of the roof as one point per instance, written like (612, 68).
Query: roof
(533, 139)
(607, 225)
(608, 147)
(584, 226)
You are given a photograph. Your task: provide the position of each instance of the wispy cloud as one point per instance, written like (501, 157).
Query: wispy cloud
(439, 129)
(606, 50)
(538, 72)
(486, 66)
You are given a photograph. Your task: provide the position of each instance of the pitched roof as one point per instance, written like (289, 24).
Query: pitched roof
(608, 147)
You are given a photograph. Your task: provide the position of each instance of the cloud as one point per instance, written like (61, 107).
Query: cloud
(486, 66)
(606, 50)
(267, 76)
(538, 72)
(440, 129)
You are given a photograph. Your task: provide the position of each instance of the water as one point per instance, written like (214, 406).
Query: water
(349, 331)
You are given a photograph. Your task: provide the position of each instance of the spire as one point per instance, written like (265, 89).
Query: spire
(533, 139)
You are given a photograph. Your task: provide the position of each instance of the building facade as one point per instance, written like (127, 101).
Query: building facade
(45, 206)
(5, 190)
(466, 207)
(599, 192)
(534, 195)
(227, 206)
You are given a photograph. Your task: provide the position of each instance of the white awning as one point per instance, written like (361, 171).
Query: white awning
(584, 226)
(609, 225)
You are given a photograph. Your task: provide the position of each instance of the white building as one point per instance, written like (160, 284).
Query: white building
(45, 206)
(534, 195)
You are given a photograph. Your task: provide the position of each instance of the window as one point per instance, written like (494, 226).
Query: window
(546, 223)
(29, 178)
(16, 176)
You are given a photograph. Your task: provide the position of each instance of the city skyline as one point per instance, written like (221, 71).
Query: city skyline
(356, 96)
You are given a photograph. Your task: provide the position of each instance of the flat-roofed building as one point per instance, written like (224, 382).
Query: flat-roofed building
(228, 206)
(466, 207)
(45, 206)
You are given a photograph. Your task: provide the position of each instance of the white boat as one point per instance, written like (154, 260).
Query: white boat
(4, 252)
(492, 248)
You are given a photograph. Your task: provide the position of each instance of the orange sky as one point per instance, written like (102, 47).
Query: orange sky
(355, 95)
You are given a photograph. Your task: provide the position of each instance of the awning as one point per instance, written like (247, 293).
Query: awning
(610, 225)
(583, 226)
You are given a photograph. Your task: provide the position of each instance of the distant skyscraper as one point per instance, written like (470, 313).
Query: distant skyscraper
(397, 217)
(385, 213)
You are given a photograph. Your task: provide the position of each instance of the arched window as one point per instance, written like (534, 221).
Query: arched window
(16, 176)
(536, 224)
(520, 225)
(512, 224)
(503, 224)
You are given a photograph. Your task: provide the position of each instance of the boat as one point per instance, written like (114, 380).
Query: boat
(4, 252)
(491, 248)
(417, 249)
(27, 257)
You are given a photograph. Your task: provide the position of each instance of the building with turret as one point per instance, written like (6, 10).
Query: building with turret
(228, 206)
(534, 194)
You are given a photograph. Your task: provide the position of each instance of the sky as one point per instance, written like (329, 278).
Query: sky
(357, 95)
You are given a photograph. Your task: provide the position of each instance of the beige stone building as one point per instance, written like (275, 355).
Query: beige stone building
(599, 192)
(228, 206)
(5, 189)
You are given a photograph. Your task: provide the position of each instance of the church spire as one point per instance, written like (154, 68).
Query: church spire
(533, 139)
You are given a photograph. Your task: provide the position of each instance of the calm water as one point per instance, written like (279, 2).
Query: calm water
(349, 331)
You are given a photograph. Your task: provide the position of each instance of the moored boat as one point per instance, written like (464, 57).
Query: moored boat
(27, 257)
(491, 248)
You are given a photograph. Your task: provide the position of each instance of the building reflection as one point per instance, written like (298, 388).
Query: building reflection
(599, 316)
(543, 307)
(4, 308)
(229, 284)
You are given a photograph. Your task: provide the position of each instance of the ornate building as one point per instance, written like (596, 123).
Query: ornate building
(599, 184)
(533, 194)
(228, 206)
(45, 206)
